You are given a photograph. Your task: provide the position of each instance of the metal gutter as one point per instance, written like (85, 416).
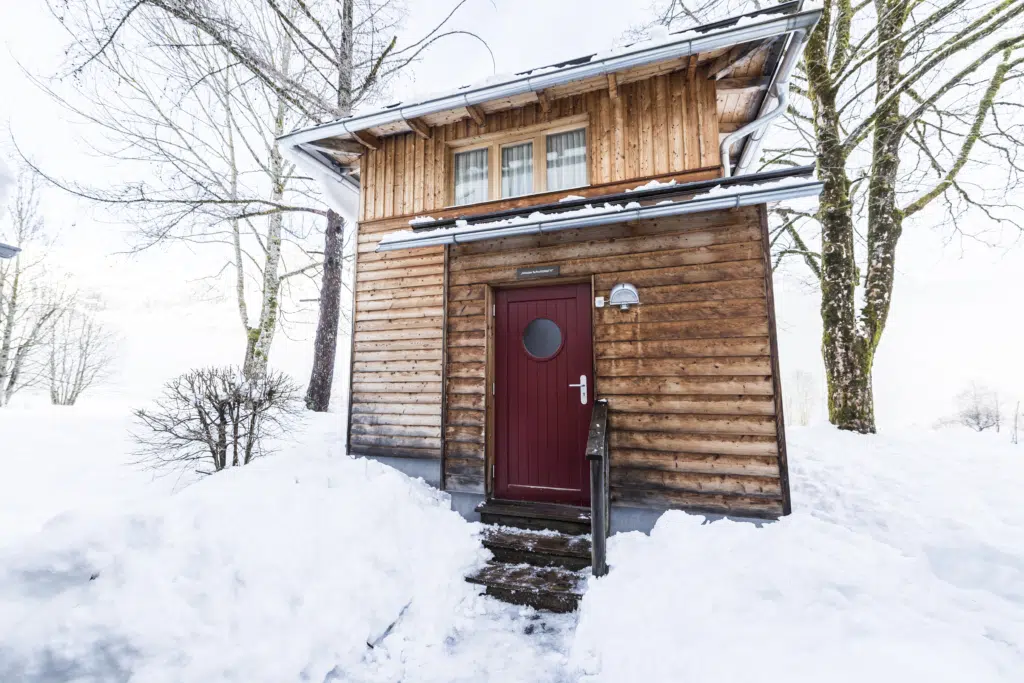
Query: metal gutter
(780, 91)
(693, 44)
(636, 195)
(542, 226)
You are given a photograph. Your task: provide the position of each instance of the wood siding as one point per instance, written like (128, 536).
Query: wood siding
(397, 350)
(688, 374)
(660, 125)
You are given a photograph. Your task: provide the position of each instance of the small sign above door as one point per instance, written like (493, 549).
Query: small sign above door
(536, 272)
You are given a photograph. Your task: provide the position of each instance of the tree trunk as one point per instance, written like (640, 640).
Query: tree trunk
(318, 395)
(7, 372)
(850, 405)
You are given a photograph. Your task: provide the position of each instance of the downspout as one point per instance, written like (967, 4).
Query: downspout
(780, 90)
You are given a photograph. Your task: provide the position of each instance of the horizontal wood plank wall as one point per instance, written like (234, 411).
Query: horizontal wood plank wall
(664, 124)
(397, 349)
(688, 373)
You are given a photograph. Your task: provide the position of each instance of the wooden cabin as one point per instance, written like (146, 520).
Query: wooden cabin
(576, 253)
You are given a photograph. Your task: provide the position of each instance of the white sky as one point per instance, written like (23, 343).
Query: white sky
(958, 309)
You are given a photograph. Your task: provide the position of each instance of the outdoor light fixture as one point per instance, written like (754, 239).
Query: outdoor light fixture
(623, 295)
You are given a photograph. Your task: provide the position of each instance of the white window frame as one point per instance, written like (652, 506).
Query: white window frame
(494, 142)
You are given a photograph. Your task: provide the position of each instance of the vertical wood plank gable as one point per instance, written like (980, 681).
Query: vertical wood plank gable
(663, 124)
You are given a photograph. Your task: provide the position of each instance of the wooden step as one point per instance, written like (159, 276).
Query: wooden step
(540, 548)
(549, 588)
(568, 519)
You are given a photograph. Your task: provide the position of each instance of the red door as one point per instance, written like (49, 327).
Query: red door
(543, 346)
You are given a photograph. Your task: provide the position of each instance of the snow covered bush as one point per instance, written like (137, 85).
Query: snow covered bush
(213, 418)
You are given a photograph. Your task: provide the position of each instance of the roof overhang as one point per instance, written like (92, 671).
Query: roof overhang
(659, 202)
(7, 251)
(775, 22)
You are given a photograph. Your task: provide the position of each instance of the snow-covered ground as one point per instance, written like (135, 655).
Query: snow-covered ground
(903, 561)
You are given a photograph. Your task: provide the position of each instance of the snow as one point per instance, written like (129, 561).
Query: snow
(463, 226)
(902, 561)
(422, 220)
(652, 185)
(280, 571)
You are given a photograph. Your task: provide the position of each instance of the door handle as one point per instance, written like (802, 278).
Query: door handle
(583, 389)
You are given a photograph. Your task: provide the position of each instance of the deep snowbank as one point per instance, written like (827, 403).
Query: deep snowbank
(282, 571)
(903, 561)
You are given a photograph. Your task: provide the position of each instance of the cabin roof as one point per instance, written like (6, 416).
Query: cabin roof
(653, 200)
(764, 32)
(7, 251)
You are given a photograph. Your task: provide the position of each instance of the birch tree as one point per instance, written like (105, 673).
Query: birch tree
(204, 132)
(347, 53)
(28, 304)
(903, 106)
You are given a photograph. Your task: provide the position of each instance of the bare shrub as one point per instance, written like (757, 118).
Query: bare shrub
(978, 408)
(214, 418)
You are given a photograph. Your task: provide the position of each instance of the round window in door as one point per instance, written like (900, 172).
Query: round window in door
(542, 338)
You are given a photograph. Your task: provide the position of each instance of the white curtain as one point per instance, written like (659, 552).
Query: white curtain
(471, 177)
(567, 160)
(517, 170)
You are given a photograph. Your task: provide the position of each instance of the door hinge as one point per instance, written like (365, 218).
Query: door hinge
(494, 310)
(493, 384)
(492, 471)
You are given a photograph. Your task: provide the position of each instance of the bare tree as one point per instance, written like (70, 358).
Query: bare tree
(348, 48)
(347, 53)
(902, 105)
(28, 303)
(215, 418)
(6, 181)
(978, 408)
(80, 355)
(205, 131)
(800, 395)
(1015, 434)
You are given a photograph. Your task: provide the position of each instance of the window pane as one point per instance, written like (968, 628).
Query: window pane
(542, 338)
(471, 177)
(567, 160)
(517, 170)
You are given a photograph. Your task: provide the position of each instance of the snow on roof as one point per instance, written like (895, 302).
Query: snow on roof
(464, 227)
(649, 51)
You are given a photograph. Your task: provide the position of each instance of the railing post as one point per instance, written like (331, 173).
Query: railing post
(598, 455)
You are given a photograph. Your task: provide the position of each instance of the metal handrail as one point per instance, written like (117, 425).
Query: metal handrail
(600, 492)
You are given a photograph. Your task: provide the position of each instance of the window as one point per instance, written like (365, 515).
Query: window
(516, 170)
(542, 338)
(471, 177)
(567, 160)
(507, 165)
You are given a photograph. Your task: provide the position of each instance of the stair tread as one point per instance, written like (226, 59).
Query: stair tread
(529, 541)
(553, 511)
(527, 578)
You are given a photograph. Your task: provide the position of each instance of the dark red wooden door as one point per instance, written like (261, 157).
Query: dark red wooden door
(543, 345)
